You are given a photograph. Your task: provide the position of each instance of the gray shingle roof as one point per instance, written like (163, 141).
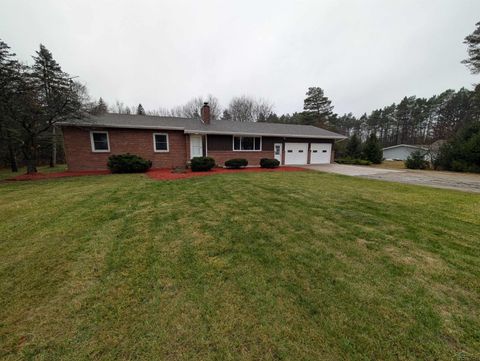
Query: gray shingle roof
(197, 126)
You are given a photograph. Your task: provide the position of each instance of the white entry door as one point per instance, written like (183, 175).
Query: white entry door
(320, 153)
(277, 151)
(196, 146)
(296, 153)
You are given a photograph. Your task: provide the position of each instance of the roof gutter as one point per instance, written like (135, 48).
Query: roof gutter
(190, 131)
(266, 134)
(93, 125)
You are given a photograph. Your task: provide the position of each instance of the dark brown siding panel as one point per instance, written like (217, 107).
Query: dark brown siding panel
(219, 142)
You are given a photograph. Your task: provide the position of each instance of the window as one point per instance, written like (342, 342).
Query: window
(100, 142)
(160, 142)
(247, 143)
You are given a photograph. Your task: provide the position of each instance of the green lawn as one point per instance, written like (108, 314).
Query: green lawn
(6, 173)
(257, 266)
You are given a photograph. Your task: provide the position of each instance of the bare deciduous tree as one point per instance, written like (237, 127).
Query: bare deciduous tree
(248, 109)
(191, 109)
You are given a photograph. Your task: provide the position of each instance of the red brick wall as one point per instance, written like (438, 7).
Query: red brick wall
(79, 155)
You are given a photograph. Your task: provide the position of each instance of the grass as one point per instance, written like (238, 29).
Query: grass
(271, 266)
(391, 164)
(7, 173)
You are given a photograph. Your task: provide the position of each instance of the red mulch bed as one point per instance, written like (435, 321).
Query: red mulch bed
(167, 174)
(157, 174)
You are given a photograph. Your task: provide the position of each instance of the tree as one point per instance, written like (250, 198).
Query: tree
(226, 115)
(318, 105)
(249, 109)
(353, 148)
(100, 108)
(46, 96)
(473, 49)
(372, 150)
(191, 109)
(462, 153)
(140, 110)
(9, 72)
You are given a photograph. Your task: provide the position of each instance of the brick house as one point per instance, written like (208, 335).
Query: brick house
(171, 142)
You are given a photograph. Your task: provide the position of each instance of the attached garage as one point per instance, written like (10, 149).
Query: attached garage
(296, 153)
(320, 153)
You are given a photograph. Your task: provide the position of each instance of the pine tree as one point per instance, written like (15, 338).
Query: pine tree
(318, 105)
(473, 49)
(226, 115)
(9, 72)
(140, 110)
(52, 97)
(353, 148)
(372, 150)
(100, 108)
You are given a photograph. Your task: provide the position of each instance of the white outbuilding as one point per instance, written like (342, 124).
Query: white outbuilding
(402, 151)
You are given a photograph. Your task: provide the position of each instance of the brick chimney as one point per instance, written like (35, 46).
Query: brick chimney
(205, 112)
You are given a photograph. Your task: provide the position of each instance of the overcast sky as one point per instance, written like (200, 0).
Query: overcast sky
(364, 54)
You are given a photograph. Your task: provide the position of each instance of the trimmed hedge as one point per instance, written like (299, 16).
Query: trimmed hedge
(354, 161)
(236, 163)
(269, 163)
(202, 164)
(128, 163)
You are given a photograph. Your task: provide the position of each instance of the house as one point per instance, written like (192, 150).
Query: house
(402, 151)
(171, 142)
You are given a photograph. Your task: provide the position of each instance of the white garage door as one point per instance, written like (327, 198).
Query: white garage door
(320, 153)
(296, 153)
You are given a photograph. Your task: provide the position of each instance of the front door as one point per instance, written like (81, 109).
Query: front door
(277, 152)
(196, 146)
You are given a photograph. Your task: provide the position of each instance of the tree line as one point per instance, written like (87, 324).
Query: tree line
(35, 97)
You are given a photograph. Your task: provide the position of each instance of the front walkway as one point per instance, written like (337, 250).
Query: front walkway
(466, 182)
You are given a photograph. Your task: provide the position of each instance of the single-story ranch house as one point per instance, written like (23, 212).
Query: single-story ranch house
(171, 142)
(402, 151)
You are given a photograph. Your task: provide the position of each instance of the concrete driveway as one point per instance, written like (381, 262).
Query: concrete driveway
(448, 180)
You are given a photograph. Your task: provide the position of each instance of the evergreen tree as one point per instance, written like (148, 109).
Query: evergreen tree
(50, 96)
(372, 150)
(318, 105)
(473, 49)
(9, 72)
(226, 115)
(100, 108)
(273, 118)
(140, 110)
(353, 148)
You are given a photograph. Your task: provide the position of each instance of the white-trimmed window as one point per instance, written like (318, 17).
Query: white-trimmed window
(252, 144)
(100, 142)
(160, 142)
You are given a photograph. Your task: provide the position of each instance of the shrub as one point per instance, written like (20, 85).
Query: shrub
(462, 153)
(202, 164)
(269, 163)
(128, 163)
(416, 160)
(354, 161)
(236, 163)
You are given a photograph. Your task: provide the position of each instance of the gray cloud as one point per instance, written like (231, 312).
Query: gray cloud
(365, 54)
